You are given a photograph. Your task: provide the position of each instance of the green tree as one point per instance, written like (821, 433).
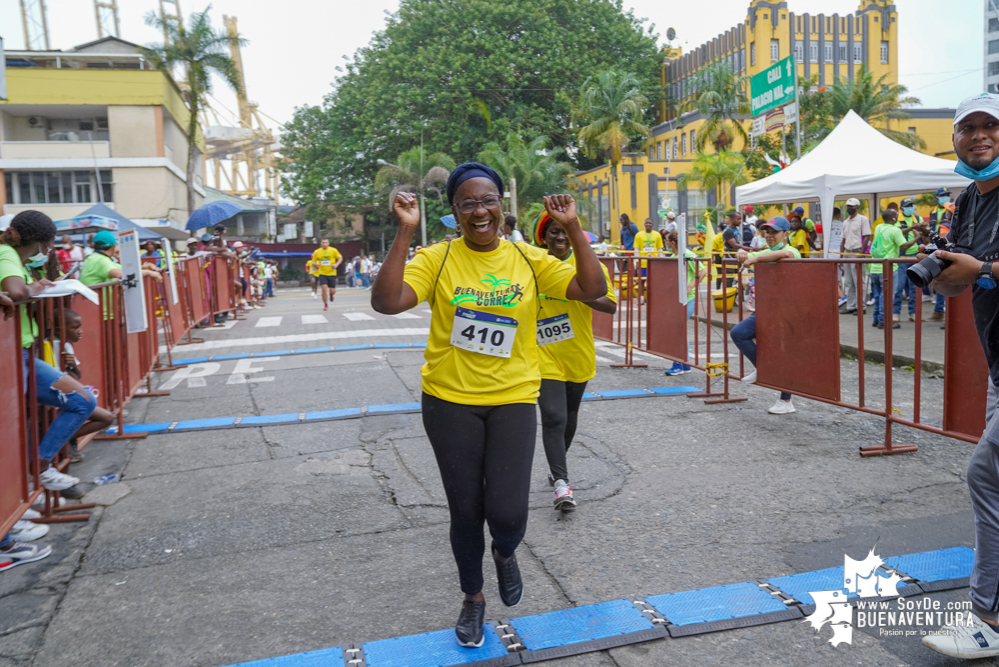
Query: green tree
(876, 102)
(201, 51)
(538, 169)
(415, 171)
(716, 171)
(720, 96)
(466, 74)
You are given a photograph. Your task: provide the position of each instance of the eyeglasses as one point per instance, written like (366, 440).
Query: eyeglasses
(470, 205)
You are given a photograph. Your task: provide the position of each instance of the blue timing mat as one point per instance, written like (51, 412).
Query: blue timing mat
(798, 585)
(431, 649)
(580, 624)
(327, 657)
(705, 605)
(933, 566)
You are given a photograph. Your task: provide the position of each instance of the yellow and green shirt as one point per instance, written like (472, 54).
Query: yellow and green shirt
(326, 258)
(12, 266)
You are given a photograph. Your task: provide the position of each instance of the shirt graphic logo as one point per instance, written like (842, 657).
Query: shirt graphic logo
(503, 293)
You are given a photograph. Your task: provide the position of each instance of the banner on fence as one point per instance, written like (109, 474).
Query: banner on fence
(131, 272)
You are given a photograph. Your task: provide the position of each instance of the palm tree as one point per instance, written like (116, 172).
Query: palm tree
(416, 171)
(876, 102)
(720, 96)
(202, 52)
(537, 168)
(611, 111)
(716, 171)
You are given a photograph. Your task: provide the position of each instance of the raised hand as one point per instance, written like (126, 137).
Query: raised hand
(562, 209)
(407, 208)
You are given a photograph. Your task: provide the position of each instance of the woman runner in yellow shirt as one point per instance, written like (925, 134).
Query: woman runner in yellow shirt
(481, 379)
(568, 360)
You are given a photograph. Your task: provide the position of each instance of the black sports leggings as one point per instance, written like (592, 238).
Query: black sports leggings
(484, 454)
(559, 402)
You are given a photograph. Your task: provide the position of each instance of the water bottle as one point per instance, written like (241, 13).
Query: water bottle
(106, 479)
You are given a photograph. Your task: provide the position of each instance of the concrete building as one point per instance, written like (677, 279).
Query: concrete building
(991, 46)
(96, 124)
(825, 45)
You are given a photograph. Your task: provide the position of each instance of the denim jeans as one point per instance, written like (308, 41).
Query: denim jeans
(6, 541)
(744, 337)
(903, 284)
(939, 307)
(365, 280)
(74, 409)
(270, 287)
(877, 292)
(690, 314)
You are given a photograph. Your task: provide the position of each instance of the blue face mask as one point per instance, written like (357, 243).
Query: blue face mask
(37, 260)
(778, 246)
(943, 200)
(988, 173)
(907, 210)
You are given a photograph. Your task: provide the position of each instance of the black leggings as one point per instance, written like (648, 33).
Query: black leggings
(484, 454)
(559, 402)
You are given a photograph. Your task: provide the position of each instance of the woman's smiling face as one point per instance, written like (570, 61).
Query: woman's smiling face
(481, 226)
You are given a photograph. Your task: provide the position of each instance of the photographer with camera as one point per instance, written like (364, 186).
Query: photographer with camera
(969, 261)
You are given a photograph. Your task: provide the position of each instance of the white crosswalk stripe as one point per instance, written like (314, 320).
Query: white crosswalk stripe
(357, 317)
(269, 322)
(314, 319)
(407, 316)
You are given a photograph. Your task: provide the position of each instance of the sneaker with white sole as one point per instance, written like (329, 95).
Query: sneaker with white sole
(563, 496)
(25, 531)
(981, 640)
(20, 553)
(53, 480)
(782, 408)
(31, 515)
(678, 369)
(750, 379)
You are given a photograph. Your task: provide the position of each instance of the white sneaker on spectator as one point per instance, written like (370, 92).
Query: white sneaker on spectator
(981, 640)
(782, 408)
(25, 531)
(53, 480)
(750, 379)
(31, 515)
(40, 502)
(20, 553)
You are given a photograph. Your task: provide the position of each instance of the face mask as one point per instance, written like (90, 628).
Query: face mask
(38, 260)
(943, 200)
(851, 212)
(778, 246)
(989, 172)
(908, 210)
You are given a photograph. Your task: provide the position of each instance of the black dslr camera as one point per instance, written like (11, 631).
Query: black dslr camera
(926, 271)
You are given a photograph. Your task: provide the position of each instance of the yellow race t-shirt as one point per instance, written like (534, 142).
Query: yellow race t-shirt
(573, 359)
(312, 268)
(326, 258)
(800, 238)
(496, 289)
(647, 244)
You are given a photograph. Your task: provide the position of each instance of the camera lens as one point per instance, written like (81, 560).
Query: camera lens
(923, 273)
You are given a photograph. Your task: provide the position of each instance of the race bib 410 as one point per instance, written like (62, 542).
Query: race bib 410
(483, 333)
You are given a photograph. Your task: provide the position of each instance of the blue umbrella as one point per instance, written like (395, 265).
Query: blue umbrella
(448, 221)
(211, 214)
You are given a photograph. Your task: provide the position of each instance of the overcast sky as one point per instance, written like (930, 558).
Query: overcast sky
(296, 44)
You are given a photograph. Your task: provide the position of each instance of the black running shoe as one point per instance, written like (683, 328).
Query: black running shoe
(468, 631)
(511, 586)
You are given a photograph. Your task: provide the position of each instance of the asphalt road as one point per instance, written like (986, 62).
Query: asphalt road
(225, 546)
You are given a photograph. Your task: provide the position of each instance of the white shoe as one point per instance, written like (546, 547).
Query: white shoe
(25, 531)
(563, 496)
(31, 515)
(53, 480)
(751, 378)
(782, 408)
(40, 502)
(979, 641)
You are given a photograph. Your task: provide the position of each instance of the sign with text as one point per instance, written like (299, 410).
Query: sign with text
(773, 87)
(131, 282)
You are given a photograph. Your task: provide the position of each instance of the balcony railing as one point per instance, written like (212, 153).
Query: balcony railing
(46, 150)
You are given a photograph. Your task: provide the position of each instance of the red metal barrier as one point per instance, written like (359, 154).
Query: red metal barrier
(967, 371)
(222, 287)
(14, 474)
(194, 284)
(603, 323)
(667, 317)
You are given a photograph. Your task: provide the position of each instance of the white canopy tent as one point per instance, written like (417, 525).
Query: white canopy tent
(855, 160)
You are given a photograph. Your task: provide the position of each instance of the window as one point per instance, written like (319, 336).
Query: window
(842, 53)
(57, 187)
(693, 143)
(857, 53)
(752, 54)
(697, 204)
(799, 52)
(683, 143)
(993, 68)
(650, 151)
(605, 220)
(676, 148)
(82, 181)
(884, 52)
(993, 25)
(994, 46)
(774, 50)
(659, 151)
(912, 130)
(813, 52)
(827, 53)
(8, 181)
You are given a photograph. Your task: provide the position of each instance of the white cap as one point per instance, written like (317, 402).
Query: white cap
(853, 201)
(987, 102)
(671, 215)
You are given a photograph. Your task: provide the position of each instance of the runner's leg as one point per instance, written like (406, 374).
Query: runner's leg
(553, 404)
(573, 398)
(511, 431)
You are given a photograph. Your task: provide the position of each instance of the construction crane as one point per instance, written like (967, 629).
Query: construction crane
(169, 11)
(35, 21)
(248, 148)
(108, 23)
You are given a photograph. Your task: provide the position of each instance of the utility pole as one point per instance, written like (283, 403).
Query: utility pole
(513, 196)
(423, 204)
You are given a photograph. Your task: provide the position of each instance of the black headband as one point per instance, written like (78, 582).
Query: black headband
(468, 170)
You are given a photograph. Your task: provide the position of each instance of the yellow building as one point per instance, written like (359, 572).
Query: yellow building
(826, 45)
(94, 124)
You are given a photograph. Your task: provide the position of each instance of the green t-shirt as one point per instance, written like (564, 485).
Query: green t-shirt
(11, 265)
(909, 222)
(691, 272)
(809, 225)
(97, 269)
(891, 239)
(797, 254)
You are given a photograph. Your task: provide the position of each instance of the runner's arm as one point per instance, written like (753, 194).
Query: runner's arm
(589, 283)
(390, 294)
(603, 305)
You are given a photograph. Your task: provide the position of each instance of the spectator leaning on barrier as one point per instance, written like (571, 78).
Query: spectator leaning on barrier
(26, 244)
(974, 231)
(856, 236)
(744, 333)
(889, 242)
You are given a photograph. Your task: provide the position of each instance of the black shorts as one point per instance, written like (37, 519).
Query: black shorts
(326, 280)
